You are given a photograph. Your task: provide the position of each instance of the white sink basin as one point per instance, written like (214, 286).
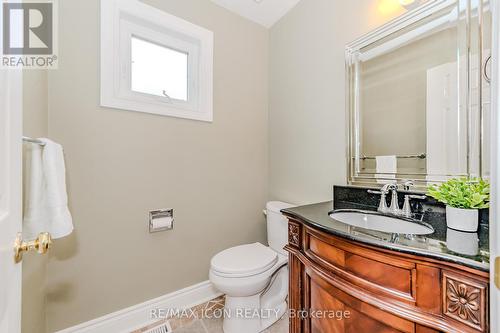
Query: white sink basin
(381, 223)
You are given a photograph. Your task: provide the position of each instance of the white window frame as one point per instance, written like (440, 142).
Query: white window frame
(129, 30)
(123, 19)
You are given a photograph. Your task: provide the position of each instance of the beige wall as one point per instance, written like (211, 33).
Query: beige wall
(34, 281)
(307, 128)
(122, 164)
(35, 112)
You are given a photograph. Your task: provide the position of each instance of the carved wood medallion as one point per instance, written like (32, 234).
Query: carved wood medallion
(464, 300)
(293, 234)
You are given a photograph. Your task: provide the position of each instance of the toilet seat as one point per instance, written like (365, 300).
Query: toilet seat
(244, 260)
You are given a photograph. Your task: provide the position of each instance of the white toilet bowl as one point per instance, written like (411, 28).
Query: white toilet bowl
(255, 280)
(254, 277)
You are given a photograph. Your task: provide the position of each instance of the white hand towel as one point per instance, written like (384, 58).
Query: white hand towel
(35, 220)
(46, 206)
(387, 166)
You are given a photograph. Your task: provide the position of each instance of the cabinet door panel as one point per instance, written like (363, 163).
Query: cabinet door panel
(360, 322)
(321, 300)
(343, 313)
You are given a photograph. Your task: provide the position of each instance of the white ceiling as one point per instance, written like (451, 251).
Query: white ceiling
(264, 12)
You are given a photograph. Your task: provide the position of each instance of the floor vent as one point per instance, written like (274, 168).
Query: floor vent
(163, 328)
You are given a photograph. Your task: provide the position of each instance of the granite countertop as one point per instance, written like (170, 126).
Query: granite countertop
(469, 249)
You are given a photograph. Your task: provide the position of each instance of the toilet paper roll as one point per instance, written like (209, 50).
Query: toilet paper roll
(162, 223)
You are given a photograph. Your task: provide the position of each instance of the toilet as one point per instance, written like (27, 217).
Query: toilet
(254, 277)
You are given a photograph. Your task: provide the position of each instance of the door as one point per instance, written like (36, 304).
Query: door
(495, 175)
(10, 198)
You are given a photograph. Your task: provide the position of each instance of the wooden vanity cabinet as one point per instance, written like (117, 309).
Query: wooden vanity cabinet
(339, 285)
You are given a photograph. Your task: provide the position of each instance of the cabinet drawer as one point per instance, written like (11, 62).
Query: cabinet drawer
(383, 274)
(357, 316)
(368, 269)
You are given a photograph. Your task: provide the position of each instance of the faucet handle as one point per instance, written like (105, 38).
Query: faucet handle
(375, 192)
(407, 207)
(407, 185)
(388, 187)
(393, 187)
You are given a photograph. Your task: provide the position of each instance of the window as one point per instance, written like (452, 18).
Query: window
(154, 62)
(159, 70)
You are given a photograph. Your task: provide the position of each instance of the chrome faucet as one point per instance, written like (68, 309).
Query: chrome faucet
(394, 208)
(387, 187)
(382, 207)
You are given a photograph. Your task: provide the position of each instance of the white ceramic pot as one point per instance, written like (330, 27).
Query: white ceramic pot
(462, 242)
(462, 219)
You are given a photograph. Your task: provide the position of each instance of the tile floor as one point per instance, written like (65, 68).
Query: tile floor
(199, 323)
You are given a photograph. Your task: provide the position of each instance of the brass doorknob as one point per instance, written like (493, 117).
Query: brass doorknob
(41, 244)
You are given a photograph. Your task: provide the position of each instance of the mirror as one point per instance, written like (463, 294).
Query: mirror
(418, 96)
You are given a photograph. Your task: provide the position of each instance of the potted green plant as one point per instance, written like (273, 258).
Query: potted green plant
(463, 198)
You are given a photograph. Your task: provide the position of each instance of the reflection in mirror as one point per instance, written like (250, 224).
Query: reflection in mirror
(418, 102)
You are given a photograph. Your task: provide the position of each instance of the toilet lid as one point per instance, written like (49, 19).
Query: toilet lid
(248, 259)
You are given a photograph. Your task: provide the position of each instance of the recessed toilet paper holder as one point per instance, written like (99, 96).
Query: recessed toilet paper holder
(161, 220)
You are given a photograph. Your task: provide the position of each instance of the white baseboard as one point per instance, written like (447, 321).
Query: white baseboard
(139, 315)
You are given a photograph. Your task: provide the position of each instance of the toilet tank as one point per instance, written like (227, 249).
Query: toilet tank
(277, 226)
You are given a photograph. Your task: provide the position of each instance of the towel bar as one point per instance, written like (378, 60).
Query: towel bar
(30, 140)
(420, 156)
